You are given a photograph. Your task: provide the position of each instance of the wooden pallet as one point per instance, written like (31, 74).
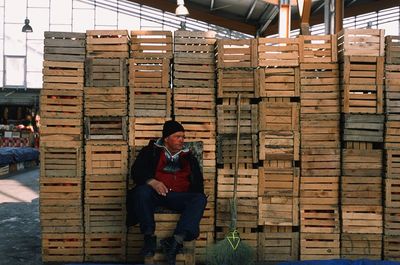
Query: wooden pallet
(151, 44)
(106, 101)
(61, 219)
(227, 117)
(319, 134)
(247, 209)
(150, 102)
(362, 219)
(278, 211)
(247, 180)
(64, 46)
(279, 145)
(361, 42)
(62, 247)
(61, 162)
(149, 72)
(392, 140)
(361, 246)
(362, 163)
(320, 162)
(318, 49)
(61, 104)
(61, 132)
(363, 127)
(282, 52)
(226, 149)
(105, 189)
(248, 235)
(392, 53)
(105, 247)
(245, 82)
(237, 53)
(198, 101)
(391, 247)
(392, 189)
(278, 244)
(319, 219)
(279, 82)
(106, 128)
(60, 191)
(278, 114)
(106, 72)
(278, 178)
(392, 164)
(106, 159)
(107, 43)
(103, 216)
(319, 190)
(319, 246)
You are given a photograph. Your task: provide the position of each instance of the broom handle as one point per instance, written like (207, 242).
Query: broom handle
(237, 149)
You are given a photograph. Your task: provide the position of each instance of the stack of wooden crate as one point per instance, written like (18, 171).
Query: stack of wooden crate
(106, 149)
(61, 167)
(392, 149)
(237, 74)
(361, 54)
(279, 138)
(194, 107)
(320, 148)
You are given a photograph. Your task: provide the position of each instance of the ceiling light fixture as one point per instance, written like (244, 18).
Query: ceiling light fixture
(181, 10)
(27, 28)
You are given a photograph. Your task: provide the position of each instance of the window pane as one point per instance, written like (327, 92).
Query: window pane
(15, 71)
(60, 12)
(34, 56)
(15, 40)
(81, 4)
(39, 21)
(60, 28)
(34, 80)
(1, 21)
(82, 20)
(39, 3)
(129, 22)
(15, 11)
(391, 28)
(1, 58)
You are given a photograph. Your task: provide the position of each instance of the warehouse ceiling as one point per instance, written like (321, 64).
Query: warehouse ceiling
(261, 16)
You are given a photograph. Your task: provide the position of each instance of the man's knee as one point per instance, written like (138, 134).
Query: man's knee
(200, 200)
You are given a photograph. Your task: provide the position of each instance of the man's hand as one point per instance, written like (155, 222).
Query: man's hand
(158, 186)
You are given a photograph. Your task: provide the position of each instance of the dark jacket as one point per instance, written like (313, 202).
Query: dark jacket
(144, 167)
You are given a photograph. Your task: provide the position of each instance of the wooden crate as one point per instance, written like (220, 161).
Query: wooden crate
(278, 178)
(279, 145)
(104, 217)
(237, 53)
(134, 244)
(391, 247)
(204, 240)
(362, 99)
(227, 117)
(61, 104)
(245, 82)
(58, 191)
(278, 114)
(319, 246)
(392, 49)
(278, 211)
(107, 159)
(106, 101)
(194, 41)
(198, 101)
(392, 189)
(361, 246)
(63, 75)
(361, 42)
(319, 134)
(107, 43)
(150, 102)
(278, 52)
(392, 89)
(362, 70)
(248, 235)
(279, 82)
(319, 190)
(149, 72)
(190, 78)
(61, 219)
(61, 132)
(61, 162)
(142, 130)
(199, 62)
(362, 163)
(247, 181)
(364, 127)
(362, 219)
(226, 149)
(64, 46)
(392, 221)
(62, 247)
(318, 103)
(392, 164)
(392, 140)
(105, 189)
(105, 247)
(151, 44)
(247, 216)
(106, 128)
(319, 219)
(361, 190)
(319, 74)
(320, 162)
(318, 49)
(106, 72)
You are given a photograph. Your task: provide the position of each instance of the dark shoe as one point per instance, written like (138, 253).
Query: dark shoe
(149, 247)
(170, 248)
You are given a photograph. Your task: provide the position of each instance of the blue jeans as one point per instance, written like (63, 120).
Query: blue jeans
(190, 205)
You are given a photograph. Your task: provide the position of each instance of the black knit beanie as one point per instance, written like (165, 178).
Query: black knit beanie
(171, 127)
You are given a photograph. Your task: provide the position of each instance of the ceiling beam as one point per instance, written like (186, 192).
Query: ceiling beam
(350, 11)
(251, 10)
(200, 13)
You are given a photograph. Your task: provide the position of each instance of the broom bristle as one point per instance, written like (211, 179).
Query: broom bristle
(222, 253)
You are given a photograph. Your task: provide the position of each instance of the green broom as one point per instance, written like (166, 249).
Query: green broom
(232, 250)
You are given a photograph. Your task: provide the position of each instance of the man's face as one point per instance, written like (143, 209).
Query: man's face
(175, 141)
